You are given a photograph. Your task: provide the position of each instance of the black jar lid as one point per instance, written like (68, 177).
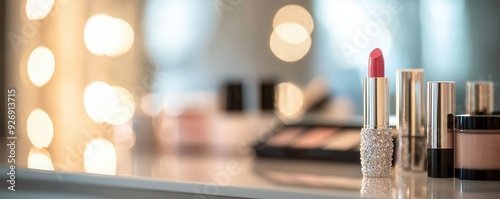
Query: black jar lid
(484, 122)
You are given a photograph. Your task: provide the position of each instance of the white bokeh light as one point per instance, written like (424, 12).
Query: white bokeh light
(38, 9)
(40, 159)
(111, 104)
(40, 128)
(105, 35)
(98, 100)
(41, 65)
(100, 157)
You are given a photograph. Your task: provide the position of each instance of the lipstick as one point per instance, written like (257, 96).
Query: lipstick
(376, 136)
(440, 120)
(376, 64)
(410, 112)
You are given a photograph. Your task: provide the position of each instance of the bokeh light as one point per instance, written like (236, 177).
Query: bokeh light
(41, 65)
(286, 51)
(111, 104)
(40, 159)
(124, 136)
(98, 100)
(295, 14)
(290, 103)
(100, 157)
(151, 104)
(290, 40)
(105, 35)
(40, 128)
(292, 33)
(122, 107)
(38, 9)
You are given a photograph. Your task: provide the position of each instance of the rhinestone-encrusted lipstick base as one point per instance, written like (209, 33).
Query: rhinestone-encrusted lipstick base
(376, 188)
(376, 152)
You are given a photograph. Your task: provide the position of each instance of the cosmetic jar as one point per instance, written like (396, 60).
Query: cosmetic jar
(479, 98)
(477, 148)
(440, 117)
(412, 147)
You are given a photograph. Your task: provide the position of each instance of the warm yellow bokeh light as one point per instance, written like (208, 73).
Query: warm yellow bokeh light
(38, 9)
(292, 33)
(105, 35)
(286, 51)
(100, 157)
(290, 102)
(40, 128)
(40, 159)
(122, 107)
(41, 65)
(98, 100)
(294, 14)
(124, 136)
(151, 104)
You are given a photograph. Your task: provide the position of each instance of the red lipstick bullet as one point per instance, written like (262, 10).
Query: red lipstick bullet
(376, 64)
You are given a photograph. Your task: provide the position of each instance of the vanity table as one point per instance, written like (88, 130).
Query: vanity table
(168, 176)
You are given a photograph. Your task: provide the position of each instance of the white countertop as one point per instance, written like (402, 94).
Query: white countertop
(243, 177)
(150, 172)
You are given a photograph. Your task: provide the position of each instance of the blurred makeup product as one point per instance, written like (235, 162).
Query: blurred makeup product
(479, 98)
(376, 135)
(314, 139)
(267, 93)
(410, 125)
(440, 116)
(314, 142)
(233, 96)
(285, 138)
(477, 147)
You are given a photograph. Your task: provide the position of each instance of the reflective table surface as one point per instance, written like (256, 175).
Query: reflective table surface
(156, 172)
(242, 177)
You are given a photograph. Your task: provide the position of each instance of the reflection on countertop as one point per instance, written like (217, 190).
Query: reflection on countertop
(242, 174)
(212, 175)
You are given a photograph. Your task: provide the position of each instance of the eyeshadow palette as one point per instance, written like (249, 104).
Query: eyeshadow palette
(315, 142)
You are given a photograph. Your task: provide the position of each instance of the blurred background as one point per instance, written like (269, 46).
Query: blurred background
(174, 76)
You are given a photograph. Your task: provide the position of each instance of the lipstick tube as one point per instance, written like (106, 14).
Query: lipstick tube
(440, 119)
(411, 121)
(376, 136)
(479, 98)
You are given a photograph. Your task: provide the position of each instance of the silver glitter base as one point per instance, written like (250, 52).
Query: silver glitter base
(376, 152)
(376, 188)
